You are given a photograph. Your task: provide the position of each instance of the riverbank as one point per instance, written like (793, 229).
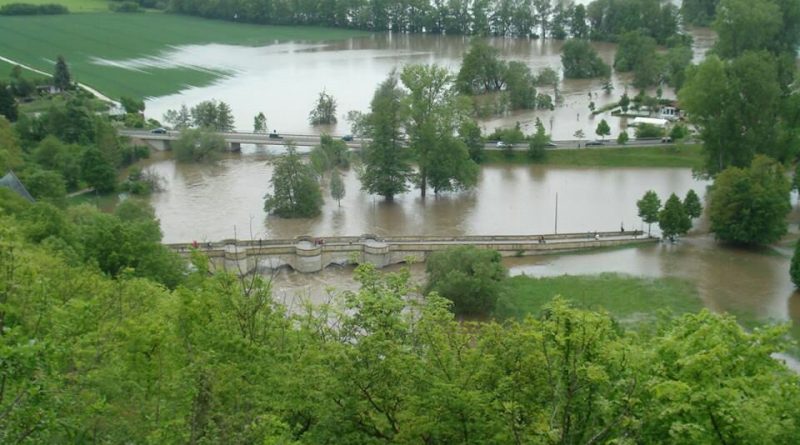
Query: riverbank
(629, 299)
(679, 155)
(107, 51)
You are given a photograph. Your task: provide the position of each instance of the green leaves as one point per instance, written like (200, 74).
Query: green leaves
(295, 192)
(749, 206)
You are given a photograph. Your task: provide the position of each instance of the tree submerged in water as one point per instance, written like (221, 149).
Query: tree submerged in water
(324, 113)
(295, 192)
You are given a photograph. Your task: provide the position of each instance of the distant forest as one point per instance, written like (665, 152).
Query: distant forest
(601, 20)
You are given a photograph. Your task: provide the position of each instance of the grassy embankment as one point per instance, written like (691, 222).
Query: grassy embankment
(84, 38)
(687, 156)
(628, 299)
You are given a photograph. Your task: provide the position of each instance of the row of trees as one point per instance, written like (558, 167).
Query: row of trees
(675, 218)
(120, 358)
(746, 205)
(601, 20)
(209, 115)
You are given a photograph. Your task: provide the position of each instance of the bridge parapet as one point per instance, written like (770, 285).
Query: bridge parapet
(309, 254)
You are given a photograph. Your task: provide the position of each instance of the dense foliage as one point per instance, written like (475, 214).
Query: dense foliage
(198, 145)
(581, 61)
(324, 111)
(673, 219)
(91, 359)
(749, 206)
(209, 115)
(295, 191)
(471, 278)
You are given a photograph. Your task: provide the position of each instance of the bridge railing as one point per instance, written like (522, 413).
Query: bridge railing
(252, 243)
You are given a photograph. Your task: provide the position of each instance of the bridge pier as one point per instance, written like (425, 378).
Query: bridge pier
(376, 252)
(235, 147)
(308, 257)
(236, 259)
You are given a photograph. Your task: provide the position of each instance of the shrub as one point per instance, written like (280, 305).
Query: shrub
(469, 277)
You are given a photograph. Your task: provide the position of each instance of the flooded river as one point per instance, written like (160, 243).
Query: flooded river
(209, 202)
(283, 80)
(213, 202)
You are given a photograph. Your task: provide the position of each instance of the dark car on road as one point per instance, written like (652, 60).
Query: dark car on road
(275, 135)
(159, 131)
(594, 143)
(347, 138)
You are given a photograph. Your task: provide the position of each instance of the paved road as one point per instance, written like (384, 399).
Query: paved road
(309, 140)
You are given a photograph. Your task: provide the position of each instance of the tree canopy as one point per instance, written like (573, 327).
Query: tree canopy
(581, 61)
(469, 277)
(295, 191)
(750, 205)
(387, 165)
(649, 207)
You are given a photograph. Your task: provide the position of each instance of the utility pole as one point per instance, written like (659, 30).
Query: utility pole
(556, 225)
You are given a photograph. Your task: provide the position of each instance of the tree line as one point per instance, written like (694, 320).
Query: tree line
(601, 20)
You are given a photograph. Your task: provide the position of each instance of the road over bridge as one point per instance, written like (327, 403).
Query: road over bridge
(308, 254)
(235, 139)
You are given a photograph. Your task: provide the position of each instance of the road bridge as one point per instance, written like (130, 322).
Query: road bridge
(235, 139)
(308, 254)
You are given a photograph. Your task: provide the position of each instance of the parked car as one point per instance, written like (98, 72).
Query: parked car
(594, 143)
(159, 130)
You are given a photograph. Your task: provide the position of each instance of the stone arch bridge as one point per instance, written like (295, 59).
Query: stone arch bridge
(308, 254)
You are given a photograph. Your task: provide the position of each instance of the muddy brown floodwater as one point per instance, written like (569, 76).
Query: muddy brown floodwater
(283, 80)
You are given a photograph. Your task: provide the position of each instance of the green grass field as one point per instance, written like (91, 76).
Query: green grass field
(628, 299)
(37, 41)
(673, 156)
(73, 5)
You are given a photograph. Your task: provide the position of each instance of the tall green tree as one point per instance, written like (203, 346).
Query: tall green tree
(673, 219)
(324, 111)
(337, 187)
(749, 206)
(386, 159)
(692, 204)
(98, 171)
(295, 191)
(481, 69)
(580, 61)
(8, 105)
(469, 277)
(649, 207)
(794, 267)
(602, 129)
(746, 26)
(61, 77)
(434, 116)
(260, 123)
(736, 105)
(537, 147)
